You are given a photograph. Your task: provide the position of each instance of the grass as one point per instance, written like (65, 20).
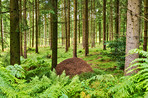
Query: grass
(97, 58)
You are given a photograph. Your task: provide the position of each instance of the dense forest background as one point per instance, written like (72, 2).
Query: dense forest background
(73, 48)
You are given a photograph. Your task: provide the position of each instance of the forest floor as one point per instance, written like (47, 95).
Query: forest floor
(102, 65)
(100, 62)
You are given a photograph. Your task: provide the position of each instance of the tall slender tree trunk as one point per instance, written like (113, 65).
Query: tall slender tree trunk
(55, 33)
(36, 14)
(111, 22)
(104, 24)
(30, 28)
(33, 25)
(100, 32)
(1, 21)
(79, 28)
(20, 21)
(14, 33)
(145, 25)
(51, 32)
(63, 25)
(86, 27)
(25, 30)
(75, 29)
(45, 28)
(93, 23)
(83, 21)
(68, 23)
(117, 19)
(132, 36)
(140, 21)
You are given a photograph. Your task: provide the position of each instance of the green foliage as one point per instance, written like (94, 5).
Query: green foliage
(136, 85)
(117, 51)
(16, 71)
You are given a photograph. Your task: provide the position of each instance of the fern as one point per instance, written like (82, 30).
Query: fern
(136, 85)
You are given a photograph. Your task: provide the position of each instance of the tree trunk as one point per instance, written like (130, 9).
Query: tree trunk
(14, 33)
(68, 23)
(104, 24)
(62, 25)
(33, 25)
(145, 24)
(93, 23)
(100, 32)
(117, 19)
(36, 14)
(83, 21)
(111, 22)
(30, 28)
(1, 21)
(55, 33)
(20, 22)
(45, 28)
(75, 29)
(51, 32)
(25, 30)
(132, 36)
(86, 27)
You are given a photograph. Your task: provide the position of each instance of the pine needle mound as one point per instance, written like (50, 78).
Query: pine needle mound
(73, 66)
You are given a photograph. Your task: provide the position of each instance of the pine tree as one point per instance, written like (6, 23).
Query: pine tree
(14, 33)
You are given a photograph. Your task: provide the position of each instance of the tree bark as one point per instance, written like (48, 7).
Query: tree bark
(86, 27)
(117, 20)
(45, 28)
(75, 29)
(132, 36)
(36, 14)
(25, 29)
(111, 22)
(1, 21)
(33, 25)
(55, 33)
(145, 25)
(68, 23)
(21, 34)
(104, 24)
(14, 33)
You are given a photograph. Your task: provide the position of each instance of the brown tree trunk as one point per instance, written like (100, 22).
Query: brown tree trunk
(21, 35)
(1, 21)
(51, 32)
(45, 30)
(33, 25)
(30, 28)
(25, 30)
(93, 23)
(117, 20)
(36, 14)
(14, 33)
(83, 21)
(75, 29)
(55, 33)
(132, 36)
(100, 32)
(68, 23)
(111, 22)
(104, 24)
(145, 25)
(86, 27)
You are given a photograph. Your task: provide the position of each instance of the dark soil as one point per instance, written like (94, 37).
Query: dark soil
(73, 66)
